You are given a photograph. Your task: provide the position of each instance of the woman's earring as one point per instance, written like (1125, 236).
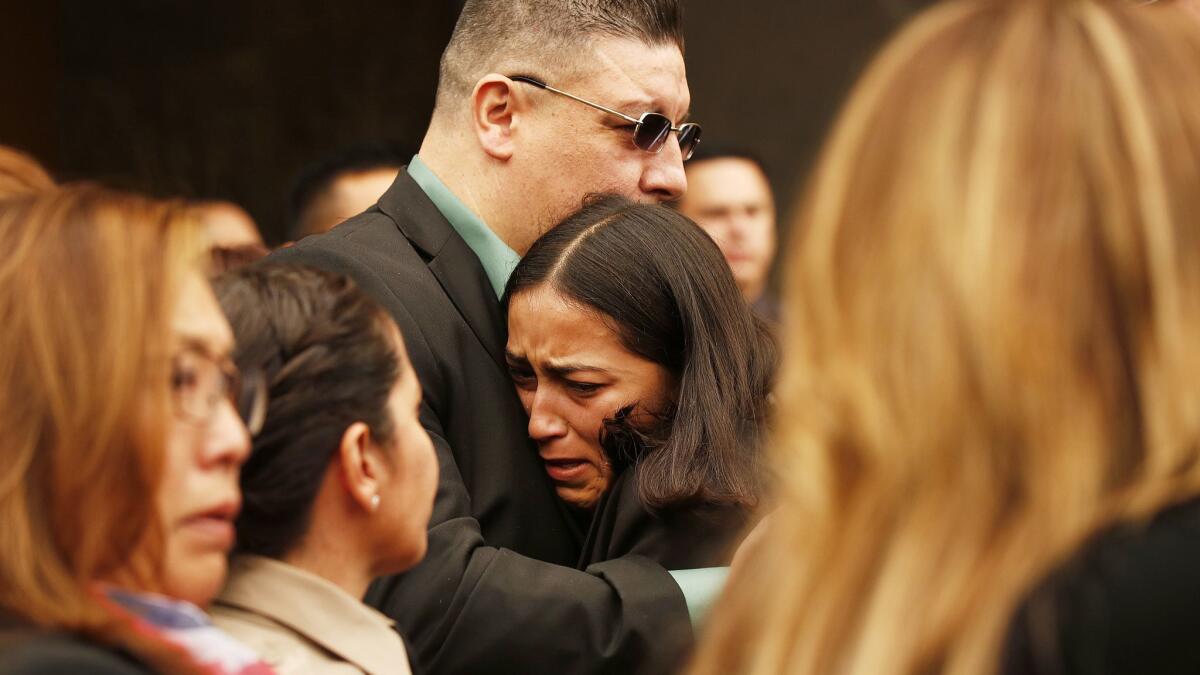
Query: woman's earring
(375, 502)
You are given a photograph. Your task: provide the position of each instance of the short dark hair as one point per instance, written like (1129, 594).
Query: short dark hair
(540, 35)
(672, 300)
(329, 358)
(316, 178)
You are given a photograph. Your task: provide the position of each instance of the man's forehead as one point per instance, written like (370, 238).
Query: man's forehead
(631, 73)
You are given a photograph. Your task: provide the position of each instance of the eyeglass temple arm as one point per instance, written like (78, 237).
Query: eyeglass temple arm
(542, 85)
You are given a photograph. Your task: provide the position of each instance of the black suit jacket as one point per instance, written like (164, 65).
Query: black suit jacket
(497, 591)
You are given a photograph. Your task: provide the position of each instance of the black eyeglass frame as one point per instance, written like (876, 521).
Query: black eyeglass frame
(688, 132)
(245, 390)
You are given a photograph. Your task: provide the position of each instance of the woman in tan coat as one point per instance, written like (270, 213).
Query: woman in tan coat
(339, 486)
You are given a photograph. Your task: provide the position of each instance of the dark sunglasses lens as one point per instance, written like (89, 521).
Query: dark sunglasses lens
(689, 136)
(651, 132)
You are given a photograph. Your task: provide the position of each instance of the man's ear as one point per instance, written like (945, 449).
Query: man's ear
(495, 104)
(360, 466)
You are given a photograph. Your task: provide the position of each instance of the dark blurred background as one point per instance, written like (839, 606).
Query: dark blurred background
(229, 99)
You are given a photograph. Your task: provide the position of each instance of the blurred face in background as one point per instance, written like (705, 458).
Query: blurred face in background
(572, 373)
(347, 196)
(730, 198)
(206, 445)
(227, 225)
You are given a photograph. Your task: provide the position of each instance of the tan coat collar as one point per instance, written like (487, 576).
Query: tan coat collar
(316, 609)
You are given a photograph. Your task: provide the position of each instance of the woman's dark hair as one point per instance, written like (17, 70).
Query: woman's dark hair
(329, 358)
(666, 290)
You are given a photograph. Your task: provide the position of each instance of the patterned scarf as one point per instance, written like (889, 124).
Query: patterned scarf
(186, 626)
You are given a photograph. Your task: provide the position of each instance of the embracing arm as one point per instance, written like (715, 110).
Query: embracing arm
(470, 607)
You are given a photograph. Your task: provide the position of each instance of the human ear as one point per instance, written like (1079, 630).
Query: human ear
(494, 107)
(360, 467)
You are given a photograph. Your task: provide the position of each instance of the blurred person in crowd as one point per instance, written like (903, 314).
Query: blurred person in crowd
(339, 486)
(343, 185)
(539, 104)
(988, 436)
(729, 196)
(228, 226)
(645, 377)
(21, 174)
(122, 440)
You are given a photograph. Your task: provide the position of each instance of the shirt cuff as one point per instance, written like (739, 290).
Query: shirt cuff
(700, 590)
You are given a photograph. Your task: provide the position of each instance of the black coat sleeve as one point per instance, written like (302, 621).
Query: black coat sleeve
(679, 538)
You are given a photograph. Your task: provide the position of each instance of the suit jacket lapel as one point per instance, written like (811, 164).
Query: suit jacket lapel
(452, 262)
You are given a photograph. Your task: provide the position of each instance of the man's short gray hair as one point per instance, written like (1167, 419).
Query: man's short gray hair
(540, 37)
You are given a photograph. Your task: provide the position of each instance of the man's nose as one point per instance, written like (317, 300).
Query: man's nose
(738, 227)
(663, 177)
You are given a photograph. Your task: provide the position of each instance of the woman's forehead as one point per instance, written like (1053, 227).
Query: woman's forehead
(197, 317)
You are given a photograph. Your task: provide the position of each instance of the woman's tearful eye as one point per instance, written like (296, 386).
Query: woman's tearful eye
(521, 376)
(584, 388)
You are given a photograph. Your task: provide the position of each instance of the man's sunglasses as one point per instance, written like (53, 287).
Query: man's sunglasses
(651, 129)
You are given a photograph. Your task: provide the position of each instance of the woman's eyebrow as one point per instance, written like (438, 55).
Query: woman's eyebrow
(562, 369)
(196, 345)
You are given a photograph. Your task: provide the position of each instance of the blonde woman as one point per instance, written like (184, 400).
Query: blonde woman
(989, 416)
(121, 440)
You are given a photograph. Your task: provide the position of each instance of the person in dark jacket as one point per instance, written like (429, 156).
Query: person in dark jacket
(645, 377)
(539, 103)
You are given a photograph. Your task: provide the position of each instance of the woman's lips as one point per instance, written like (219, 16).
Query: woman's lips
(214, 527)
(566, 470)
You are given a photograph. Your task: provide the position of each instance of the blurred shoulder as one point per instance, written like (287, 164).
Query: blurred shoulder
(1125, 603)
(47, 653)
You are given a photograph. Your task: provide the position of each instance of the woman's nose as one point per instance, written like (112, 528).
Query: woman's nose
(544, 422)
(228, 440)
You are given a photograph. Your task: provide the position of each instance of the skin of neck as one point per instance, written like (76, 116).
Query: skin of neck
(478, 180)
(337, 545)
(753, 290)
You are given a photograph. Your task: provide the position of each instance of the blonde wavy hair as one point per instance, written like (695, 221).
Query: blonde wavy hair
(991, 344)
(21, 174)
(88, 283)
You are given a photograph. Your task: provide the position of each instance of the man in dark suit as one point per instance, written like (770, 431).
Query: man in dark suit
(505, 157)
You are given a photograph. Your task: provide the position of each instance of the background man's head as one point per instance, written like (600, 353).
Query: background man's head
(523, 157)
(227, 225)
(729, 196)
(342, 185)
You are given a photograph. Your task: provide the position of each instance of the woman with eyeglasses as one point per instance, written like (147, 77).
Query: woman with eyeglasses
(645, 376)
(988, 447)
(121, 440)
(339, 486)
